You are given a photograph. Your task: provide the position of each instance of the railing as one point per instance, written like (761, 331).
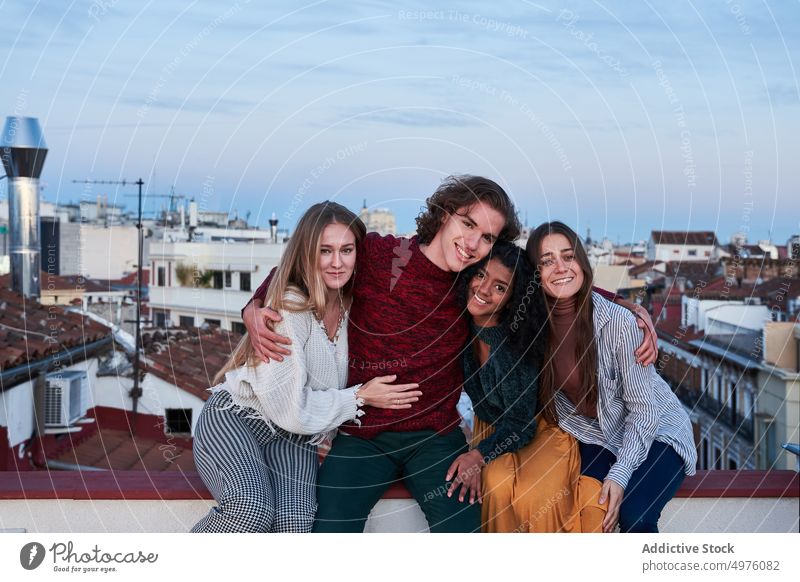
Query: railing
(743, 426)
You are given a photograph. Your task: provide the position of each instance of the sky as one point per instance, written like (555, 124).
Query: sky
(616, 116)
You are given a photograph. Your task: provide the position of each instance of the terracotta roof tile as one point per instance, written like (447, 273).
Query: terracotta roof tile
(118, 450)
(673, 328)
(30, 331)
(683, 237)
(189, 359)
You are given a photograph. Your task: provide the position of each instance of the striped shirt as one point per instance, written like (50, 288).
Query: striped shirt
(635, 406)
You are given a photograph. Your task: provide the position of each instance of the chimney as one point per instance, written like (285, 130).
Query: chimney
(193, 214)
(273, 228)
(23, 152)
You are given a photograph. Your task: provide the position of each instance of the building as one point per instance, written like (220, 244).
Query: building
(682, 246)
(196, 283)
(737, 371)
(380, 220)
(48, 367)
(617, 279)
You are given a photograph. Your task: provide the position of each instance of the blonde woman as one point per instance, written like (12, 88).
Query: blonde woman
(255, 441)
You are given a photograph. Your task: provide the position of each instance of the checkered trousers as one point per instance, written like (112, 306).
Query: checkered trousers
(263, 478)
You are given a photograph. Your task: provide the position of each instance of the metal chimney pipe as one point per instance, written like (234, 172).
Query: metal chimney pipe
(273, 228)
(23, 151)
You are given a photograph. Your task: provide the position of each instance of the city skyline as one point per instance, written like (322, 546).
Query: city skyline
(620, 118)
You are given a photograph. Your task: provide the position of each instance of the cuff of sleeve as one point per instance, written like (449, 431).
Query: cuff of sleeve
(489, 449)
(620, 474)
(359, 403)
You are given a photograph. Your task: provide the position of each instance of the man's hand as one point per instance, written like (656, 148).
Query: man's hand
(647, 353)
(267, 344)
(467, 472)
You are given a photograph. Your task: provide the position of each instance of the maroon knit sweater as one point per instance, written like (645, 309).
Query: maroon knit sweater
(405, 320)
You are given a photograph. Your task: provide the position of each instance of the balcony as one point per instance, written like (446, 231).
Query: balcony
(719, 411)
(171, 502)
(217, 302)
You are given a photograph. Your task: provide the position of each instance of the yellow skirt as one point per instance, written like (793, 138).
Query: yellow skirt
(539, 488)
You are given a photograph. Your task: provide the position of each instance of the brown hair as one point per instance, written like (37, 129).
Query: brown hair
(297, 271)
(457, 192)
(585, 348)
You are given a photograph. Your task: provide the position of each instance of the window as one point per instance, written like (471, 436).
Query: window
(767, 443)
(161, 319)
(215, 322)
(228, 279)
(186, 321)
(244, 281)
(732, 465)
(178, 421)
(704, 459)
(238, 327)
(161, 276)
(217, 279)
(717, 458)
(692, 252)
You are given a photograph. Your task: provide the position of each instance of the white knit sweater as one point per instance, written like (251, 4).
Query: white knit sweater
(306, 393)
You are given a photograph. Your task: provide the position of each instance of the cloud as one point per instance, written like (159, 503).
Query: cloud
(782, 94)
(414, 117)
(194, 104)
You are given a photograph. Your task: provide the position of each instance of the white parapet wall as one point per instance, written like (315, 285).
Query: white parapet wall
(698, 515)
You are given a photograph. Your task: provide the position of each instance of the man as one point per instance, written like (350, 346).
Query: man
(406, 320)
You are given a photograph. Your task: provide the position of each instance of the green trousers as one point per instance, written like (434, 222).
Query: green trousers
(357, 472)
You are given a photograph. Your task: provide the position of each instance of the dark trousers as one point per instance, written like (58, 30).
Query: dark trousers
(357, 472)
(650, 488)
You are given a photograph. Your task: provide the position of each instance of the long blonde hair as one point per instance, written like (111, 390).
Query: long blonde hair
(298, 271)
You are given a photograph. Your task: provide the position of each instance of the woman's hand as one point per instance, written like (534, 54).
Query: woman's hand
(267, 344)
(381, 393)
(613, 492)
(467, 472)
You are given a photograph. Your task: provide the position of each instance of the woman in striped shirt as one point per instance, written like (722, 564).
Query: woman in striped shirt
(255, 440)
(634, 435)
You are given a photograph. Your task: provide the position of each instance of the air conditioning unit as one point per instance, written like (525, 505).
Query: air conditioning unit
(66, 398)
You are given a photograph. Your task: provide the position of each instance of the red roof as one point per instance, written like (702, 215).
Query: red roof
(684, 237)
(644, 267)
(30, 331)
(62, 283)
(674, 328)
(191, 358)
(117, 449)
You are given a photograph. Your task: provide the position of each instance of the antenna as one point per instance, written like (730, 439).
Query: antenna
(136, 391)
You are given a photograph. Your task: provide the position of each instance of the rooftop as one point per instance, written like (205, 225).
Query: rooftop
(189, 358)
(30, 332)
(682, 237)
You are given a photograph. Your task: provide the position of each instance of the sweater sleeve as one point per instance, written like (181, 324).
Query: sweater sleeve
(282, 388)
(642, 417)
(517, 427)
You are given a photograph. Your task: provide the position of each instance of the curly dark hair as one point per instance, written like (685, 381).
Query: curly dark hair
(525, 314)
(457, 192)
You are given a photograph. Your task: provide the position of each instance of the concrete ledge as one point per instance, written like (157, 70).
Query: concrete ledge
(169, 485)
(134, 501)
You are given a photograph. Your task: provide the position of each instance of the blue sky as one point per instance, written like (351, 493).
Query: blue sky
(622, 117)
